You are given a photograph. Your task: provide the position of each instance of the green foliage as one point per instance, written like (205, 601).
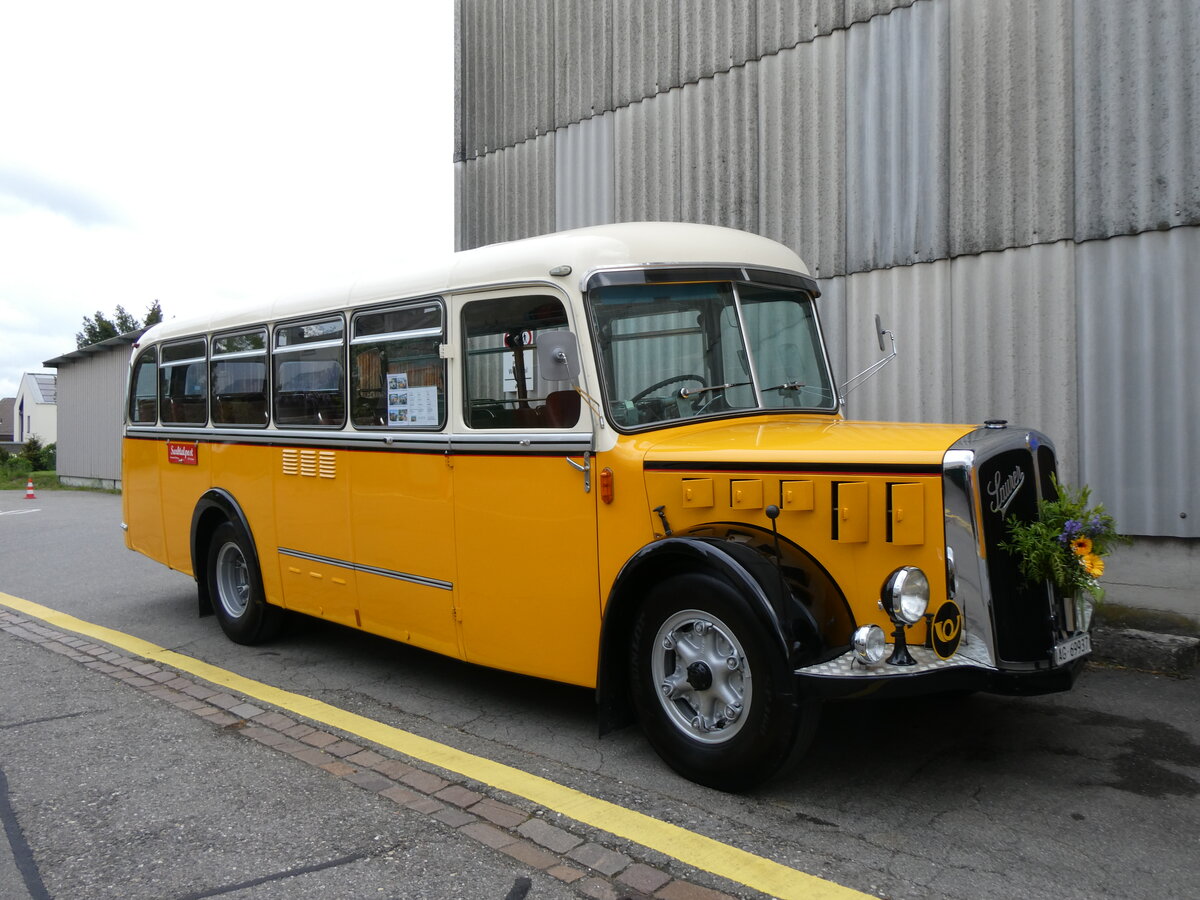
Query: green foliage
(15, 469)
(100, 327)
(1066, 544)
(40, 457)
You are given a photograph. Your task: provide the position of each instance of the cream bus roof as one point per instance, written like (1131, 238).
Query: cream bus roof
(530, 259)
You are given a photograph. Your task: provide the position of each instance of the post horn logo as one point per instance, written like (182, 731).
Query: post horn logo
(946, 629)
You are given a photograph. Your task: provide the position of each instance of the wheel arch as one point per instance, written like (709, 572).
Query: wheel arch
(214, 507)
(745, 565)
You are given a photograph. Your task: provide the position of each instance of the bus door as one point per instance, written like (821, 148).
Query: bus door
(401, 495)
(526, 594)
(312, 476)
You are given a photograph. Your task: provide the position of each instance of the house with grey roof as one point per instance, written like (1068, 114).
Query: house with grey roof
(35, 408)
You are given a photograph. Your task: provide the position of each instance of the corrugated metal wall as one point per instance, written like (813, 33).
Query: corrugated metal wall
(1013, 184)
(90, 398)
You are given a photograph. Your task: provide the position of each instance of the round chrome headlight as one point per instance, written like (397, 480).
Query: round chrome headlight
(869, 644)
(906, 595)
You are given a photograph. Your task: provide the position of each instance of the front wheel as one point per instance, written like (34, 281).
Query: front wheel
(713, 691)
(235, 586)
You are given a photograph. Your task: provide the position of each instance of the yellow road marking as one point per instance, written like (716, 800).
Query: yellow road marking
(695, 850)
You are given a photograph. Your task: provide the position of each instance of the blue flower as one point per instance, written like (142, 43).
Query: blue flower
(1072, 528)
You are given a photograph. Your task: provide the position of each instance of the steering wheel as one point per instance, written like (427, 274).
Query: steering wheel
(672, 380)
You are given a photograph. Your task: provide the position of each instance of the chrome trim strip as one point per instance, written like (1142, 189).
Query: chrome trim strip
(959, 491)
(848, 666)
(368, 570)
(421, 442)
(576, 442)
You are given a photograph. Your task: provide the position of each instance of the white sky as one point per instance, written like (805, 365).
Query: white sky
(214, 153)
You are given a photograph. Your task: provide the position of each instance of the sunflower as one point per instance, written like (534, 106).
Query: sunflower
(1093, 565)
(1082, 546)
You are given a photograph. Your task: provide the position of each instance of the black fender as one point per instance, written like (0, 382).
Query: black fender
(213, 507)
(743, 556)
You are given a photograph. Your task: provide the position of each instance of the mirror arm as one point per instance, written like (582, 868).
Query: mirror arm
(852, 383)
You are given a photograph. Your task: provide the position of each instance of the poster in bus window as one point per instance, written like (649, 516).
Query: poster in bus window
(410, 405)
(510, 371)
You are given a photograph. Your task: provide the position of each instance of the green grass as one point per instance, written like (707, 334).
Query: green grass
(42, 481)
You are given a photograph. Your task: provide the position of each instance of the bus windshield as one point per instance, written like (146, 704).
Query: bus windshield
(671, 351)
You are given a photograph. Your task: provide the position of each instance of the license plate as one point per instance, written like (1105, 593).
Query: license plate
(1080, 645)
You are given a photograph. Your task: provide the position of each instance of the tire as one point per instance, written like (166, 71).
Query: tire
(235, 587)
(699, 653)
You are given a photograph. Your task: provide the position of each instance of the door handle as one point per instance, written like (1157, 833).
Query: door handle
(586, 468)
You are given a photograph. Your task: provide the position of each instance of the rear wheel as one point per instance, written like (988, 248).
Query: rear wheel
(235, 586)
(713, 691)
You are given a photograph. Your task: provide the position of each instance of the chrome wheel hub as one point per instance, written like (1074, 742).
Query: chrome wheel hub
(701, 676)
(233, 581)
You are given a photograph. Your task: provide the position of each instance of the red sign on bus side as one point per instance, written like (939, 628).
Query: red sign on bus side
(183, 454)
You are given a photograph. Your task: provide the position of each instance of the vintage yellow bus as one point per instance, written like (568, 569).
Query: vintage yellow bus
(614, 457)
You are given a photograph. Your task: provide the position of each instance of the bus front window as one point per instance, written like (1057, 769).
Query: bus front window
(677, 351)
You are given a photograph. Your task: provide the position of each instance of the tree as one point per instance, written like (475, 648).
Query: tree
(153, 315)
(40, 456)
(100, 327)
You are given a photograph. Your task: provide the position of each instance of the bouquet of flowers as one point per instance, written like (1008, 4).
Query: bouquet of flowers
(1066, 544)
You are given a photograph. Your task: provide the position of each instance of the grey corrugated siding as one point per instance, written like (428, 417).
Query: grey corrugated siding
(583, 173)
(647, 159)
(802, 158)
(506, 74)
(864, 10)
(1011, 154)
(1138, 377)
(785, 23)
(506, 195)
(1012, 342)
(91, 394)
(583, 61)
(718, 150)
(606, 54)
(1137, 116)
(645, 49)
(914, 303)
(897, 164)
(714, 36)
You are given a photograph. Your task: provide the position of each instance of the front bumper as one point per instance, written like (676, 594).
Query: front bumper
(845, 677)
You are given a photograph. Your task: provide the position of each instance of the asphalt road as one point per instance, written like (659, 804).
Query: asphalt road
(1094, 793)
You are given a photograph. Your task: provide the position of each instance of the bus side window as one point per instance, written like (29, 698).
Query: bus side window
(310, 374)
(183, 383)
(397, 378)
(143, 389)
(238, 375)
(503, 386)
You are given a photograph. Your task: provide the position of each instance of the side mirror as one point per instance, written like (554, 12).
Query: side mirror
(880, 333)
(558, 356)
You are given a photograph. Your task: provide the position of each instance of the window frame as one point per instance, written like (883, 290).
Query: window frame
(164, 365)
(214, 357)
(320, 344)
(150, 354)
(354, 339)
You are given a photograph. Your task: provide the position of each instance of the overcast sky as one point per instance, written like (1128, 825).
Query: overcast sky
(212, 153)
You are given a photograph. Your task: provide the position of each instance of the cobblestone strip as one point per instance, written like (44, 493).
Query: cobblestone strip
(591, 868)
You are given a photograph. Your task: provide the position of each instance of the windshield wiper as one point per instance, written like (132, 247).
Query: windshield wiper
(788, 386)
(685, 393)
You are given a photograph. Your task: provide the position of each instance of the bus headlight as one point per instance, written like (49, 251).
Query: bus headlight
(906, 595)
(869, 644)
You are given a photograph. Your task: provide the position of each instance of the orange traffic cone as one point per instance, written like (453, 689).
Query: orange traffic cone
(29, 495)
